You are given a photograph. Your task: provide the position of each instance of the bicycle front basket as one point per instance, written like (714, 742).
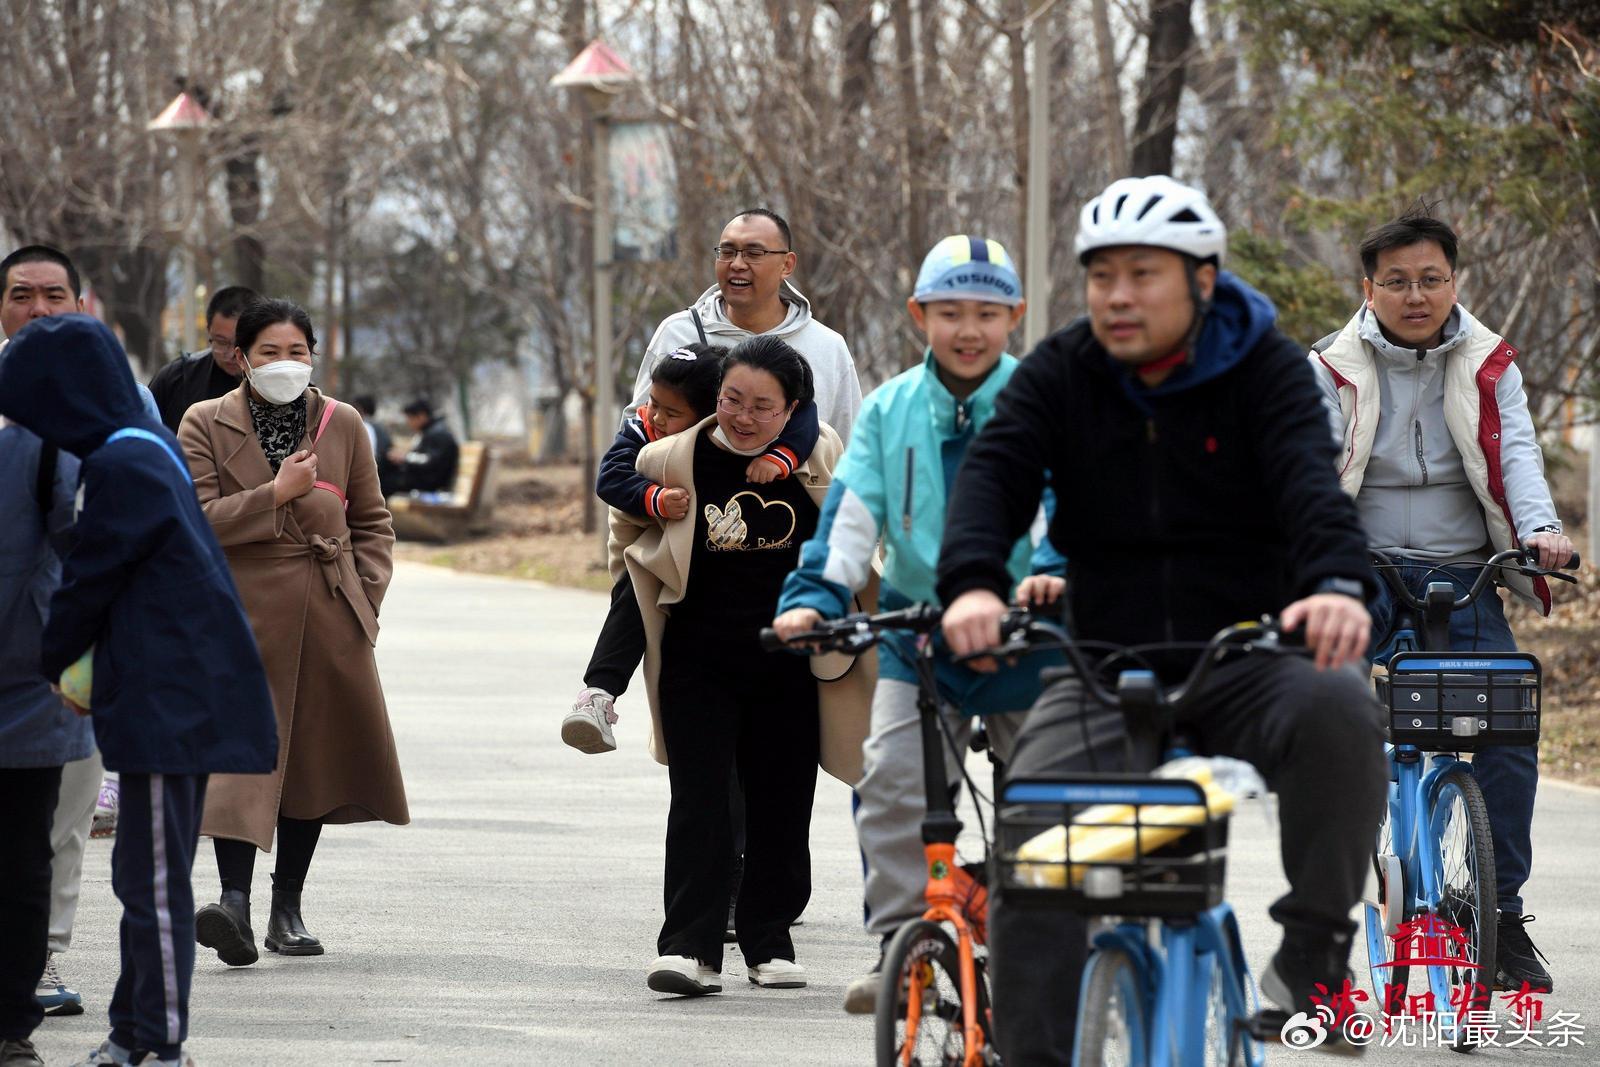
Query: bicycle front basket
(1112, 845)
(1462, 702)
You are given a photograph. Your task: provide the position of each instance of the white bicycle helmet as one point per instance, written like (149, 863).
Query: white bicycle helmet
(1154, 211)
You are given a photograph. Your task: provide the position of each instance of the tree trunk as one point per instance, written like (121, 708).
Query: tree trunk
(913, 173)
(1167, 56)
(132, 285)
(244, 208)
(1110, 91)
(1017, 48)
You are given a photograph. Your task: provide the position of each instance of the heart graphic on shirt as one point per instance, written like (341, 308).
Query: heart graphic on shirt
(729, 528)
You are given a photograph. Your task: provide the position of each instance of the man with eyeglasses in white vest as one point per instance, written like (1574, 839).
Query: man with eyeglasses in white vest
(1437, 446)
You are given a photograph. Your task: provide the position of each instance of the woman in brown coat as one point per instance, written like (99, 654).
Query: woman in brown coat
(287, 477)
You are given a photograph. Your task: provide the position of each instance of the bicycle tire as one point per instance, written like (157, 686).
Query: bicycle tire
(1111, 1015)
(1465, 858)
(1380, 949)
(1224, 1042)
(925, 951)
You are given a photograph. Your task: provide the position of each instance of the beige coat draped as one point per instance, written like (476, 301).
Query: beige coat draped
(311, 575)
(656, 555)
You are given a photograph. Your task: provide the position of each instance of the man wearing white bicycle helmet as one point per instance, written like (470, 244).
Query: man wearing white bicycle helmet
(1184, 438)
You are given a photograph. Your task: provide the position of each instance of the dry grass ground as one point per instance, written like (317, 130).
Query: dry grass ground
(538, 533)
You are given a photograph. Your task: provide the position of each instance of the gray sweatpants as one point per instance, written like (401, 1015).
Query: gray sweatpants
(80, 789)
(891, 800)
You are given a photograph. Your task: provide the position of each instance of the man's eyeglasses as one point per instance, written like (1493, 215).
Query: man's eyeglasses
(1431, 283)
(730, 406)
(224, 345)
(752, 256)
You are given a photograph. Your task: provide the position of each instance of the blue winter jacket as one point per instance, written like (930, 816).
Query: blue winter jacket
(36, 729)
(892, 482)
(178, 684)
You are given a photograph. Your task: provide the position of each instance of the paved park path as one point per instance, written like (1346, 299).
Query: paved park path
(511, 922)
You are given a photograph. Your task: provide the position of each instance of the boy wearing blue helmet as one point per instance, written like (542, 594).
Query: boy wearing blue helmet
(892, 483)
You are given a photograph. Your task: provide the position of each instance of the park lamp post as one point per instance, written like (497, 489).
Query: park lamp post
(187, 121)
(600, 75)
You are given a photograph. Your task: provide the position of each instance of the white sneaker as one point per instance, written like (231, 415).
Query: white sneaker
(53, 993)
(108, 1054)
(587, 726)
(779, 974)
(684, 976)
(861, 995)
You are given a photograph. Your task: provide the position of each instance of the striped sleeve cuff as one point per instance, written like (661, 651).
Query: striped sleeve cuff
(783, 459)
(652, 501)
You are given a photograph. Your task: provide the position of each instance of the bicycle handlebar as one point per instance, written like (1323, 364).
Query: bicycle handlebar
(856, 633)
(1517, 558)
(1263, 635)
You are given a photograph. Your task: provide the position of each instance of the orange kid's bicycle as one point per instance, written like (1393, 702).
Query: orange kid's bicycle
(933, 1004)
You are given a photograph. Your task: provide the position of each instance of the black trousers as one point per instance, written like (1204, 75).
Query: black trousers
(158, 829)
(1317, 739)
(297, 843)
(729, 706)
(27, 810)
(616, 656)
(620, 646)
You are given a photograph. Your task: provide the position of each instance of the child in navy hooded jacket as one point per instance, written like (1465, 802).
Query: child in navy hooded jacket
(179, 691)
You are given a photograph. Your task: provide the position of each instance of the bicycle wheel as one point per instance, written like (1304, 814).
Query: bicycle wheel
(1458, 824)
(1379, 920)
(1224, 1041)
(1111, 1014)
(919, 1019)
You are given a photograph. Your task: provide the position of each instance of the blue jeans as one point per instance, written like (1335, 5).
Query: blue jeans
(1507, 774)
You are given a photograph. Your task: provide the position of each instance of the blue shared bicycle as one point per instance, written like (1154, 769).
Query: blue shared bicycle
(1433, 905)
(1166, 983)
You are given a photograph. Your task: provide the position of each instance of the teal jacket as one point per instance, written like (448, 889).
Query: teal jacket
(892, 483)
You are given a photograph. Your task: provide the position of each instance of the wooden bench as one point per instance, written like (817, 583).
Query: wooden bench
(467, 512)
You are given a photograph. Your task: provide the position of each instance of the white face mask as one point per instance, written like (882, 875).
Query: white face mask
(280, 381)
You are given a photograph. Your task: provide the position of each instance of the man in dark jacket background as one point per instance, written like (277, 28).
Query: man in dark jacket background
(39, 737)
(1184, 438)
(379, 437)
(211, 372)
(429, 466)
(177, 694)
(36, 732)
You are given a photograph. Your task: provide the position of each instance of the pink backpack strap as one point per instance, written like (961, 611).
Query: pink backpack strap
(322, 424)
(327, 416)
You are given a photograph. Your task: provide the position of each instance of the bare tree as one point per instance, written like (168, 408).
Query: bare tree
(1171, 36)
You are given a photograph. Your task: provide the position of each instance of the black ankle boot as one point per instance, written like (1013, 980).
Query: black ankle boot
(226, 927)
(286, 932)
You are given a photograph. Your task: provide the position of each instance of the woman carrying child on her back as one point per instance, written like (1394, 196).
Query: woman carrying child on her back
(683, 393)
(705, 587)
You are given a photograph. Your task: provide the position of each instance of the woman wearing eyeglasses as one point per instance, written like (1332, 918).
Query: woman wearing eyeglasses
(718, 702)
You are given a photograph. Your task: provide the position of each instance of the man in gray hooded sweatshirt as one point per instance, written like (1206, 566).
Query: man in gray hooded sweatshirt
(1439, 451)
(755, 257)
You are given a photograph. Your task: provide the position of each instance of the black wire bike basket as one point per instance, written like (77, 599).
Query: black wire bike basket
(1122, 845)
(1462, 701)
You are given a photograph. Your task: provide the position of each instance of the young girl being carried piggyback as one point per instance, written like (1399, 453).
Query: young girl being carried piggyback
(683, 392)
